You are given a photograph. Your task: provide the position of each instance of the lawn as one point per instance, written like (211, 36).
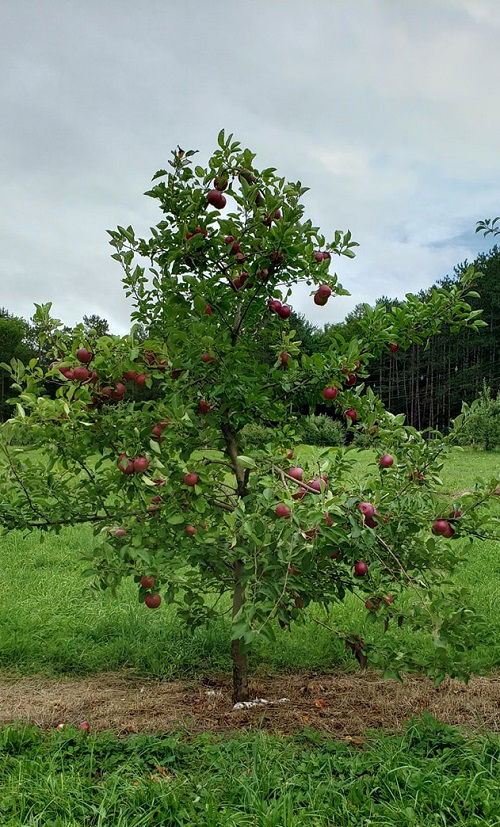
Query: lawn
(430, 775)
(50, 624)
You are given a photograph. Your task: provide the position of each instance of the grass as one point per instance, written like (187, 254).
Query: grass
(50, 624)
(429, 776)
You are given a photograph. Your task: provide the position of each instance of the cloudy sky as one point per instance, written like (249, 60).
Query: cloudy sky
(387, 109)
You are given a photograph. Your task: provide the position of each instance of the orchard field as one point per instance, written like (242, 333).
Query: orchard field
(418, 771)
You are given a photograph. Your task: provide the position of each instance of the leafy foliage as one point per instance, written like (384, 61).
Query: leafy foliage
(160, 471)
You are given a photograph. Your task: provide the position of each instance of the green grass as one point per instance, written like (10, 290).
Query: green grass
(429, 776)
(49, 624)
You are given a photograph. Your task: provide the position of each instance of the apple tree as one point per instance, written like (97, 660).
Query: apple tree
(142, 435)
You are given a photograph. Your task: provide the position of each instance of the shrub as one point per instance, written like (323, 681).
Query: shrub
(482, 426)
(320, 429)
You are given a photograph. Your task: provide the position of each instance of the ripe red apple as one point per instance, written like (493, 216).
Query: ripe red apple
(191, 479)
(371, 522)
(284, 311)
(326, 255)
(247, 175)
(292, 570)
(147, 581)
(141, 464)
(284, 358)
(443, 528)
(160, 481)
(372, 604)
(120, 532)
(277, 257)
(290, 454)
(318, 255)
(386, 460)
(157, 431)
(416, 476)
(84, 727)
(118, 392)
(221, 182)
(319, 484)
(299, 495)
(352, 414)
(201, 231)
(229, 239)
(204, 407)
(125, 464)
(140, 380)
(360, 569)
(282, 510)
(274, 305)
(312, 533)
(190, 530)
(320, 300)
(351, 380)
(150, 357)
(130, 376)
(393, 347)
(206, 357)
(324, 290)
(84, 356)
(157, 499)
(457, 513)
(330, 392)
(175, 374)
(296, 473)
(388, 600)
(208, 310)
(67, 372)
(367, 509)
(81, 374)
(263, 274)
(335, 555)
(216, 199)
(152, 601)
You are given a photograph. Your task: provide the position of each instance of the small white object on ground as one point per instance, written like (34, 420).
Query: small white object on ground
(258, 702)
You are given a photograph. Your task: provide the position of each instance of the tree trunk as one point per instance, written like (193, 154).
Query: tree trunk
(240, 658)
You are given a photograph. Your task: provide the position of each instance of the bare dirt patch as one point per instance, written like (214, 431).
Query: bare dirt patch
(340, 704)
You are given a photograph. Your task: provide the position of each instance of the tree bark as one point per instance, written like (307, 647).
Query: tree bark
(240, 658)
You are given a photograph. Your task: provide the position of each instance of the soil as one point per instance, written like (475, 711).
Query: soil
(342, 705)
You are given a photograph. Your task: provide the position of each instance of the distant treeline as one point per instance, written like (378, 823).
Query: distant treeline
(427, 383)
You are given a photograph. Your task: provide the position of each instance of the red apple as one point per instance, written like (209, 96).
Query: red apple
(284, 358)
(67, 372)
(393, 347)
(84, 356)
(367, 509)
(284, 311)
(320, 300)
(263, 274)
(352, 414)
(208, 310)
(319, 484)
(125, 464)
(140, 380)
(147, 581)
(371, 522)
(318, 255)
(274, 305)
(191, 479)
(141, 464)
(351, 380)
(190, 530)
(120, 532)
(334, 555)
(81, 374)
(360, 569)
(277, 257)
(386, 460)
(290, 454)
(204, 407)
(157, 431)
(84, 727)
(292, 570)
(229, 239)
(152, 601)
(296, 473)
(443, 528)
(206, 357)
(324, 290)
(388, 600)
(372, 604)
(330, 392)
(221, 182)
(216, 199)
(299, 495)
(282, 510)
(130, 376)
